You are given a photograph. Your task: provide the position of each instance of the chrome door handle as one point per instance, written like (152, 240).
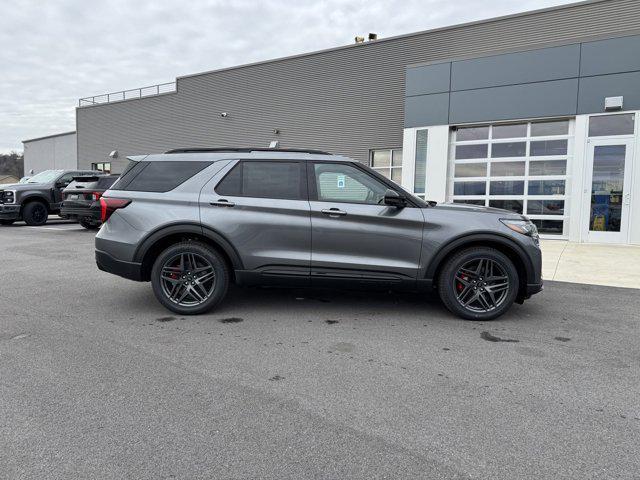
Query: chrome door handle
(222, 203)
(334, 212)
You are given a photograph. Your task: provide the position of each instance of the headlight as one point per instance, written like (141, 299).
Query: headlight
(525, 227)
(9, 196)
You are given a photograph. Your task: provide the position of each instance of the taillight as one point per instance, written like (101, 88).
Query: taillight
(110, 205)
(96, 195)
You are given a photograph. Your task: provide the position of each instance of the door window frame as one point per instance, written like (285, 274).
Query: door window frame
(313, 189)
(304, 182)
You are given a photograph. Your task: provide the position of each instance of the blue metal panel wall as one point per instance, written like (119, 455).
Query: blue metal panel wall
(558, 81)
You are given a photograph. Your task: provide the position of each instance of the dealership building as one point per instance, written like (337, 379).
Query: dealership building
(535, 112)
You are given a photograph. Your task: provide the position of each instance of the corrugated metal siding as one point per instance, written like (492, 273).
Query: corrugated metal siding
(345, 101)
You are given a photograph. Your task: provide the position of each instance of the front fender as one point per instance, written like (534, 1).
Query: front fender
(479, 238)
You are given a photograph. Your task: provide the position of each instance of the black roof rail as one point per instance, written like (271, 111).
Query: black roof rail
(245, 150)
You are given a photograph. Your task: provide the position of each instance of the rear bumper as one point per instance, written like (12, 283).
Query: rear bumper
(9, 212)
(81, 213)
(129, 270)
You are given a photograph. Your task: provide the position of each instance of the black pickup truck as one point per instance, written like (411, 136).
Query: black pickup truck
(36, 199)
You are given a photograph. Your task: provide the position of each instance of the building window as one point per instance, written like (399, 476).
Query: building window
(104, 167)
(519, 166)
(388, 162)
(420, 171)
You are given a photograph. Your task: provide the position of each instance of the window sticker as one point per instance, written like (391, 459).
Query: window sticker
(341, 181)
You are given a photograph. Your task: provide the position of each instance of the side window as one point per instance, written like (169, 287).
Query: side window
(265, 179)
(161, 176)
(345, 183)
(67, 178)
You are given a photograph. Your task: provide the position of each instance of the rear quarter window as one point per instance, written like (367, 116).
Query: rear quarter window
(106, 182)
(158, 176)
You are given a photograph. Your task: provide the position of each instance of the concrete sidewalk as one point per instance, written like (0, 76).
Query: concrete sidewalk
(595, 264)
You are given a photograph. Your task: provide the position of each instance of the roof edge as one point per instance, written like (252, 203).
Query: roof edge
(49, 136)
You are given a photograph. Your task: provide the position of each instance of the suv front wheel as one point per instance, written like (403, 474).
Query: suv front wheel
(478, 283)
(189, 278)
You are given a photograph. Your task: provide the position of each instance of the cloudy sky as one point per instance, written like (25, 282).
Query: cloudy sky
(54, 52)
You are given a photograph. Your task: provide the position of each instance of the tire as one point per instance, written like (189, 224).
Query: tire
(487, 267)
(88, 224)
(7, 222)
(176, 264)
(35, 214)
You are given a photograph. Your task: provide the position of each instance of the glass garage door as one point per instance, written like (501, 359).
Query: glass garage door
(520, 167)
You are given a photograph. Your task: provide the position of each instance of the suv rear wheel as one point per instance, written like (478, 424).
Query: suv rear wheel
(35, 214)
(189, 278)
(478, 283)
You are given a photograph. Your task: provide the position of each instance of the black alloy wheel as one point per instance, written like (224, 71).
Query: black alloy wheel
(190, 278)
(479, 283)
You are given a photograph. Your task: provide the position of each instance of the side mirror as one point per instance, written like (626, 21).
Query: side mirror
(394, 199)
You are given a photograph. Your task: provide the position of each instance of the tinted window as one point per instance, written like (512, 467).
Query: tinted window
(611, 125)
(511, 149)
(130, 172)
(471, 202)
(106, 182)
(513, 205)
(507, 188)
(544, 129)
(549, 147)
(471, 170)
(161, 176)
(231, 184)
(469, 188)
(283, 180)
(548, 167)
(546, 187)
(464, 152)
(346, 183)
(510, 131)
(472, 133)
(67, 178)
(507, 169)
(545, 207)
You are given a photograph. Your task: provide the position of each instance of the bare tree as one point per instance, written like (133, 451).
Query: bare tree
(12, 164)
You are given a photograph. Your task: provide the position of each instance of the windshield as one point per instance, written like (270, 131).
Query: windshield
(45, 177)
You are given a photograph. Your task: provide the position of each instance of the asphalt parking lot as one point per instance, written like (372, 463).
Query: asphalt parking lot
(97, 380)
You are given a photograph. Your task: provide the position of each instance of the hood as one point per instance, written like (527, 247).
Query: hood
(465, 207)
(20, 187)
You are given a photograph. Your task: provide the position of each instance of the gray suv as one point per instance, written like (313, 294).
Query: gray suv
(192, 221)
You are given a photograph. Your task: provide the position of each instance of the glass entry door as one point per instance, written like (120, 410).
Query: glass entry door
(608, 188)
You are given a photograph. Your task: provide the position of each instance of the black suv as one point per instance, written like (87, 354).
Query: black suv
(81, 199)
(193, 221)
(36, 199)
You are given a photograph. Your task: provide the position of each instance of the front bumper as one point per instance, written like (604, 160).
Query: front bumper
(9, 212)
(534, 288)
(109, 264)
